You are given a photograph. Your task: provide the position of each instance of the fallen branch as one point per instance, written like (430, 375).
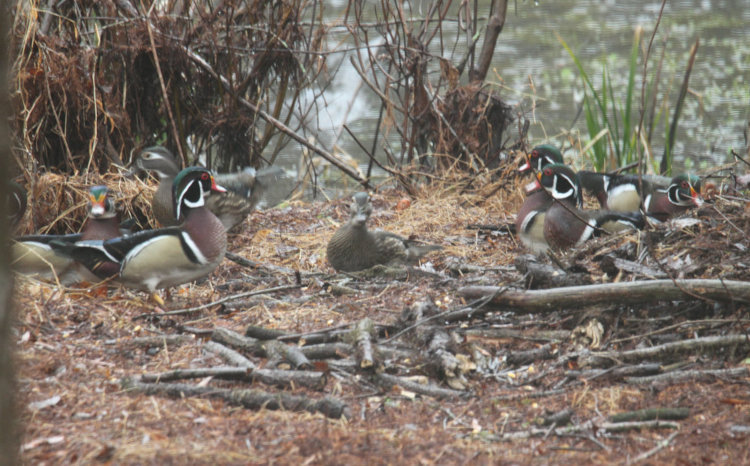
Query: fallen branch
(250, 399)
(618, 372)
(151, 342)
(315, 380)
(521, 358)
(268, 348)
(608, 293)
(636, 425)
(525, 395)
(327, 350)
(667, 350)
(670, 414)
(589, 425)
(541, 335)
(363, 336)
(235, 340)
(429, 390)
(692, 375)
(228, 354)
(292, 354)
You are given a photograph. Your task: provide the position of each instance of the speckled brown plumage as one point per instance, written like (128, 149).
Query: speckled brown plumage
(353, 247)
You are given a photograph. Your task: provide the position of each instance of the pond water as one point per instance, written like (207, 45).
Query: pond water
(598, 31)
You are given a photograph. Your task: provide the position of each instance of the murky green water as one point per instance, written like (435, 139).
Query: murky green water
(715, 113)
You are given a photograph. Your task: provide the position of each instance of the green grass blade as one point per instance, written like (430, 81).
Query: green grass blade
(600, 148)
(615, 126)
(627, 123)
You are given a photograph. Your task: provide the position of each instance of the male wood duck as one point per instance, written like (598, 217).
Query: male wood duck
(244, 189)
(155, 259)
(541, 156)
(16, 203)
(565, 224)
(34, 254)
(662, 197)
(682, 194)
(530, 217)
(353, 247)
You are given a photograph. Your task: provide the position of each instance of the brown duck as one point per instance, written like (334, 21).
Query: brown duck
(353, 247)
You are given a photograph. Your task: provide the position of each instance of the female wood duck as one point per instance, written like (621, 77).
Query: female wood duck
(662, 197)
(530, 217)
(353, 247)
(34, 254)
(170, 256)
(244, 188)
(565, 224)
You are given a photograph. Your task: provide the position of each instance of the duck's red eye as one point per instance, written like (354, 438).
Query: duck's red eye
(685, 184)
(204, 176)
(534, 154)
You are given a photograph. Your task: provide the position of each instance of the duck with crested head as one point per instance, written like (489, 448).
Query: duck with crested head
(661, 197)
(530, 217)
(566, 224)
(244, 189)
(34, 254)
(155, 259)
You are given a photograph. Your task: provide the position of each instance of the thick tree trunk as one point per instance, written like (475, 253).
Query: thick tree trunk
(8, 431)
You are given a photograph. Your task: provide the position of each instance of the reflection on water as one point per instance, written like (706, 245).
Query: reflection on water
(598, 31)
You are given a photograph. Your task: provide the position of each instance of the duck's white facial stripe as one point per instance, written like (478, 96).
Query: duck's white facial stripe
(675, 197)
(557, 194)
(194, 248)
(192, 204)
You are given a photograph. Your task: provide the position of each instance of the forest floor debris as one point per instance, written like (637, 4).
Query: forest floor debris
(381, 370)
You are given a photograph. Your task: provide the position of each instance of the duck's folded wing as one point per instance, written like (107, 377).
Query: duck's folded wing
(120, 247)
